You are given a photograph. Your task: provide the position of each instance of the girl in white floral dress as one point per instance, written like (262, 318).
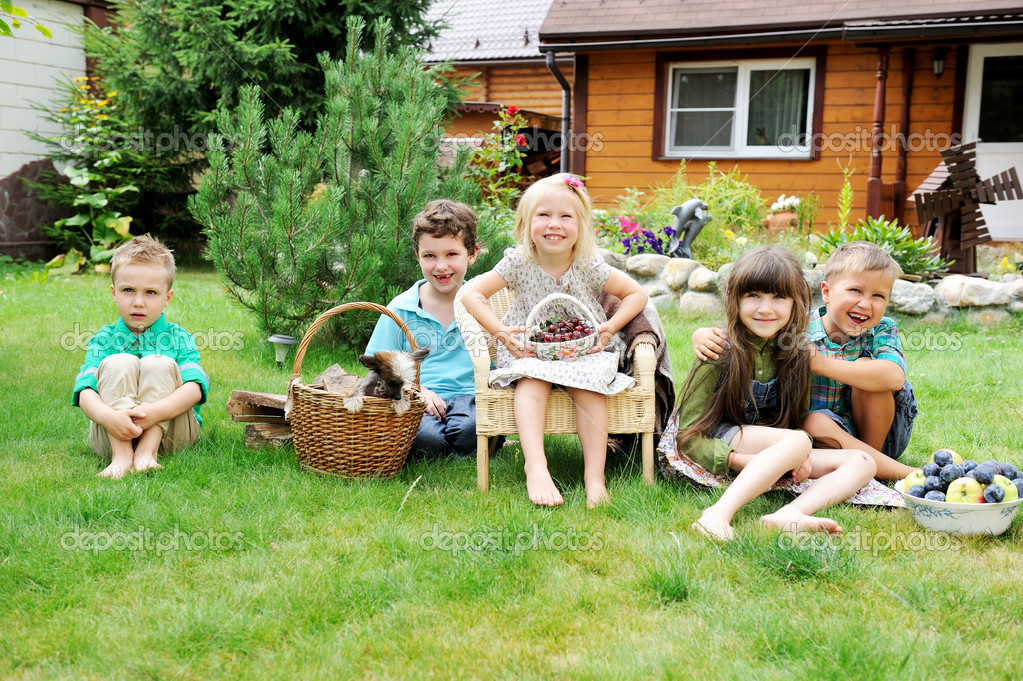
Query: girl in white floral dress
(557, 253)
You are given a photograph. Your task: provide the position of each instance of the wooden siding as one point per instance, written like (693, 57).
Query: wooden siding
(530, 87)
(621, 117)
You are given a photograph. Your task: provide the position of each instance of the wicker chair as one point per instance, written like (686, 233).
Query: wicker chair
(631, 411)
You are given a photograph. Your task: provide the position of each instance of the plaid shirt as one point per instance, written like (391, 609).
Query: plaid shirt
(880, 342)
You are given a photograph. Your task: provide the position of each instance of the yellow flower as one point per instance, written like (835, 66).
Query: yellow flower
(102, 102)
(79, 79)
(729, 234)
(64, 110)
(112, 94)
(83, 87)
(102, 117)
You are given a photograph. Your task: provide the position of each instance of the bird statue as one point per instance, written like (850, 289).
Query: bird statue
(690, 218)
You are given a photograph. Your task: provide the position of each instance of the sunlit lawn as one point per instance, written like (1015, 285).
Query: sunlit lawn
(233, 563)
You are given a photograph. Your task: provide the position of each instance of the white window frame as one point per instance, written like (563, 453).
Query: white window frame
(738, 147)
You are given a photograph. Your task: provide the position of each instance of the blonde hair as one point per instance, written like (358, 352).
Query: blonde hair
(586, 243)
(860, 256)
(143, 250)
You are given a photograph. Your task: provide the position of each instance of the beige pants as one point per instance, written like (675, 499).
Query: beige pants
(125, 381)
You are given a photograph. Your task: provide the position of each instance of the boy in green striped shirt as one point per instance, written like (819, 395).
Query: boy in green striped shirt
(141, 384)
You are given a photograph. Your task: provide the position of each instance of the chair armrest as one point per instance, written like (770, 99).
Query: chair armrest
(644, 364)
(476, 342)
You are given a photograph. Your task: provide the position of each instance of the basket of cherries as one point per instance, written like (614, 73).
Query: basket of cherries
(563, 335)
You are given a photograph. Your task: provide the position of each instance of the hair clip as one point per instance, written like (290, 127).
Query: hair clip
(571, 180)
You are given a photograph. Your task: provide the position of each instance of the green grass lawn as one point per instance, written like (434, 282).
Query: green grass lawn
(233, 563)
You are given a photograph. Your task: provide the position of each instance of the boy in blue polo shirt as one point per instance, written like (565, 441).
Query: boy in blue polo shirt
(141, 384)
(444, 234)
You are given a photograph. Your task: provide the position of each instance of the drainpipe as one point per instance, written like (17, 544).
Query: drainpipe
(566, 110)
(877, 136)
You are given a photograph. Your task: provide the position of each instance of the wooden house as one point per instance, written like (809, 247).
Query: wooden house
(792, 92)
(498, 45)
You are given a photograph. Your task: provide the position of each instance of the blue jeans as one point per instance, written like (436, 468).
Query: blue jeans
(453, 434)
(897, 440)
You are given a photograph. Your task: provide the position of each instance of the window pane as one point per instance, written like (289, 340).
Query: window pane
(1001, 100)
(777, 108)
(704, 88)
(700, 129)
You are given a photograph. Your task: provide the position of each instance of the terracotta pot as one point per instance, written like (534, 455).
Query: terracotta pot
(775, 222)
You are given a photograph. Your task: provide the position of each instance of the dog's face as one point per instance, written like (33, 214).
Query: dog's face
(389, 371)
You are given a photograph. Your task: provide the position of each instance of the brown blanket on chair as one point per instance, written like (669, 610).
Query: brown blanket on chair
(646, 328)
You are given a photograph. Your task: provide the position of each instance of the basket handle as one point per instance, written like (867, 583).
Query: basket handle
(300, 354)
(561, 296)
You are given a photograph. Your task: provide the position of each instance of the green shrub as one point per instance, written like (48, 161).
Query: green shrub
(301, 221)
(917, 257)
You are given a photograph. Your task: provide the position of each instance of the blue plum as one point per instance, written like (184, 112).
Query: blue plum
(969, 465)
(993, 494)
(950, 472)
(931, 468)
(933, 482)
(935, 495)
(984, 473)
(918, 491)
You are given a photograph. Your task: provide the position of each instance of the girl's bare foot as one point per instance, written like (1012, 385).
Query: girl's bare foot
(794, 522)
(145, 462)
(597, 495)
(802, 471)
(541, 488)
(116, 470)
(714, 526)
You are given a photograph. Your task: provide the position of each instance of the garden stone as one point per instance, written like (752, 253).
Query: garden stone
(676, 273)
(693, 304)
(703, 280)
(1016, 307)
(646, 265)
(663, 302)
(987, 316)
(656, 288)
(1015, 289)
(1009, 278)
(723, 273)
(810, 259)
(910, 298)
(615, 260)
(813, 278)
(962, 291)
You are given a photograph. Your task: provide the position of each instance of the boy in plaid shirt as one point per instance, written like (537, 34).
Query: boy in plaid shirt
(859, 395)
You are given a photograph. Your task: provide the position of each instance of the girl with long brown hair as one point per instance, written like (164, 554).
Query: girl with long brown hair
(740, 414)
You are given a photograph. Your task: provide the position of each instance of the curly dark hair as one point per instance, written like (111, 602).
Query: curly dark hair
(442, 218)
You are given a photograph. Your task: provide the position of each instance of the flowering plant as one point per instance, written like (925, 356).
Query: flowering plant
(496, 162)
(785, 203)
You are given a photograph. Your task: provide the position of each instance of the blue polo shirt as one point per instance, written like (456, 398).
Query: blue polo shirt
(447, 370)
(162, 338)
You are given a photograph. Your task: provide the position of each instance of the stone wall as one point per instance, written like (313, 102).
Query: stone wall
(22, 214)
(695, 290)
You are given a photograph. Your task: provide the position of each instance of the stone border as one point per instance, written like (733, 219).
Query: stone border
(696, 291)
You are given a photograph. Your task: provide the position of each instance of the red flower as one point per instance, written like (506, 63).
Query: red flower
(520, 140)
(512, 110)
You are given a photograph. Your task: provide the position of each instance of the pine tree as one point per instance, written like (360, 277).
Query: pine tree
(300, 221)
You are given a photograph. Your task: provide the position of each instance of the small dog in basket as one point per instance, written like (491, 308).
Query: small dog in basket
(388, 374)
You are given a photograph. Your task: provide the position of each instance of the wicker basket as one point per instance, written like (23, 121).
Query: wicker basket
(565, 351)
(373, 442)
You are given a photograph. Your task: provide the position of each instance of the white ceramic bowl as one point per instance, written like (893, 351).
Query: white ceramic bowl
(947, 516)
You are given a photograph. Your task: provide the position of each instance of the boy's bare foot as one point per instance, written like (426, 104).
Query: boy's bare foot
(145, 462)
(116, 470)
(714, 526)
(597, 495)
(541, 488)
(794, 522)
